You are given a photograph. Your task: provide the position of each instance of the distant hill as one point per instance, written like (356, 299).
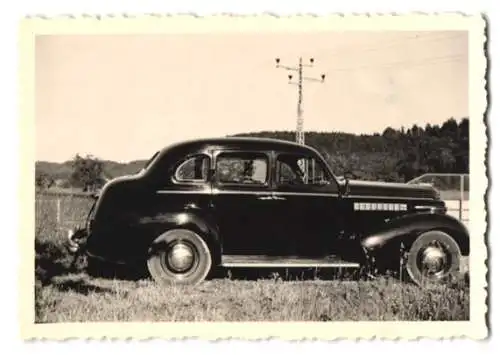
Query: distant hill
(111, 168)
(392, 155)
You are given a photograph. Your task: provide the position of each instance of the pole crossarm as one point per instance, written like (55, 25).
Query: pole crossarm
(287, 68)
(300, 86)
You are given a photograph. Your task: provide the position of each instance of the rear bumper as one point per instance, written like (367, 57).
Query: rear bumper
(76, 243)
(76, 240)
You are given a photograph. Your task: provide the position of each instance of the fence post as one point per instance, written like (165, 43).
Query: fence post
(460, 205)
(58, 211)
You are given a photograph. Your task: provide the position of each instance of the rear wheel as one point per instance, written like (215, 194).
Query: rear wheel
(434, 257)
(179, 256)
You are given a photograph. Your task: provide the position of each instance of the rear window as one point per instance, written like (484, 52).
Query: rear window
(193, 169)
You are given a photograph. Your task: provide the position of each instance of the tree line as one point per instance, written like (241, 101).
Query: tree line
(393, 155)
(87, 174)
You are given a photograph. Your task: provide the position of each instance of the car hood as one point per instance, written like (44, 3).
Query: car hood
(387, 189)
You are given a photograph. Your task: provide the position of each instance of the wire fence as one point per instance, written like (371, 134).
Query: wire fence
(454, 190)
(56, 212)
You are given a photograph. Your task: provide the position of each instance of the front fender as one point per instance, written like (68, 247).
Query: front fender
(408, 227)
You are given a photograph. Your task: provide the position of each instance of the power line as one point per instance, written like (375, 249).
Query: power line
(422, 62)
(411, 40)
(417, 39)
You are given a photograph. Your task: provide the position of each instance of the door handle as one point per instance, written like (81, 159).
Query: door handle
(279, 198)
(265, 198)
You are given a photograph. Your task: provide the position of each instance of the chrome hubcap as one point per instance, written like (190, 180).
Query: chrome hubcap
(434, 260)
(180, 257)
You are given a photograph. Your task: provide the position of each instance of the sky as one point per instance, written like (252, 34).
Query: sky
(123, 97)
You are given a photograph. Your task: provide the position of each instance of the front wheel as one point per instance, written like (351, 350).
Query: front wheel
(179, 256)
(434, 257)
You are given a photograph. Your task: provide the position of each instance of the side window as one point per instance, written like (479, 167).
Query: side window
(193, 169)
(293, 169)
(242, 168)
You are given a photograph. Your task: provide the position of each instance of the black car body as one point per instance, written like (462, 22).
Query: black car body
(264, 202)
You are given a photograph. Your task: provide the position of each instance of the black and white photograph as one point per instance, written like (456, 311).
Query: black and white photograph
(234, 170)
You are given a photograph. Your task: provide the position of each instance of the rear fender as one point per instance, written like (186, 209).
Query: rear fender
(406, 229)
(187, 220)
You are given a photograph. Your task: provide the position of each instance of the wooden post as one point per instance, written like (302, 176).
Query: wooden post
(460, 205)
(59, 211)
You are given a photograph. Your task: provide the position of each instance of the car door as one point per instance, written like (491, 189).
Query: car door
(308, 202)
(242, 202)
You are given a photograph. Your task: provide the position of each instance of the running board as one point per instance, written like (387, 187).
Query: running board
(264, 261)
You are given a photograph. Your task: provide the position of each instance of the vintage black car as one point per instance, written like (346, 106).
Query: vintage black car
(248, 202)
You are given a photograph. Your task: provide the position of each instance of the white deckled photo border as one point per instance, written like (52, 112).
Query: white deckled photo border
(475, 328)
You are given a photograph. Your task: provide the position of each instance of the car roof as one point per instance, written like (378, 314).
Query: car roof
(250, 143)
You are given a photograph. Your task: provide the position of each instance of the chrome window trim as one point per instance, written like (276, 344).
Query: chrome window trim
(193, 182)
(318, 158)
(257, 153)
(216, 191)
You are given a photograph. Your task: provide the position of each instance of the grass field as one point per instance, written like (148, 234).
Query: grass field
(65, 293)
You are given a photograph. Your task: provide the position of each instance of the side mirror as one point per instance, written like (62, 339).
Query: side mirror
(346, 189)
(348, 175)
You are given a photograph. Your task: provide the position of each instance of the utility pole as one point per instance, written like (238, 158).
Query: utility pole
(299, 135)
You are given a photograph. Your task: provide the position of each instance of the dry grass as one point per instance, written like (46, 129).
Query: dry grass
(65, 293)
(77, 298)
